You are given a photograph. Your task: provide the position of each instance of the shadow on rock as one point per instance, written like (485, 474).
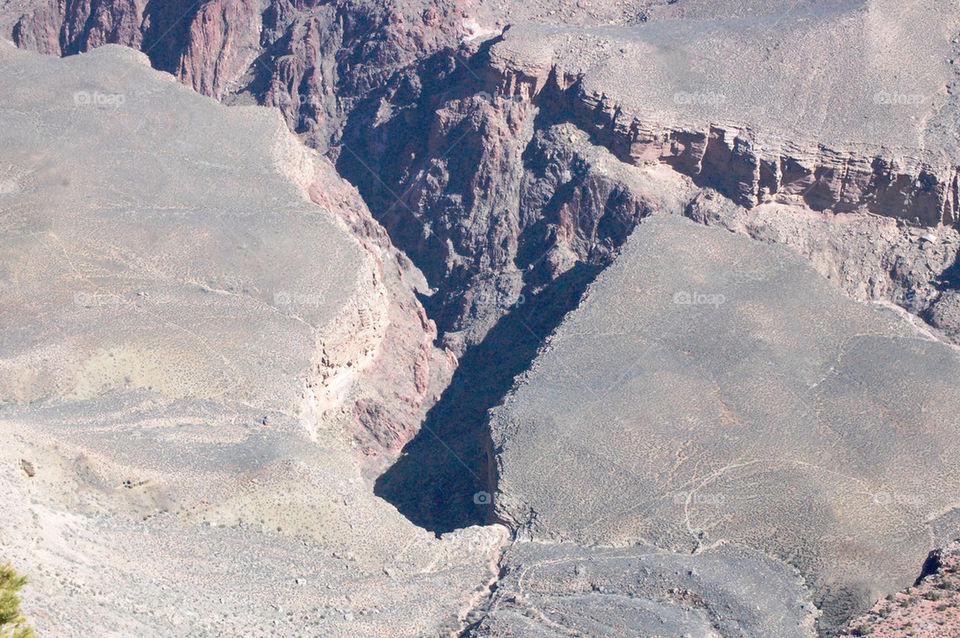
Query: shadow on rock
(445, 476)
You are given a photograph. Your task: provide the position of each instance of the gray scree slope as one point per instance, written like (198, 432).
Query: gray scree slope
(796, 426)
(558, 589)
(166, 289)
(714, 390)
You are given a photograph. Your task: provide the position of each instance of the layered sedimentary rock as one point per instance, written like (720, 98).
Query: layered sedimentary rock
(744, 105)
(510, 166)
(195, 364)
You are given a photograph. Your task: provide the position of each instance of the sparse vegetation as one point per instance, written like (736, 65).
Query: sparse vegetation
(12, 623)
(929, 608)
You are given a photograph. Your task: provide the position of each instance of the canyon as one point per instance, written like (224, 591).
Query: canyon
(527, 318)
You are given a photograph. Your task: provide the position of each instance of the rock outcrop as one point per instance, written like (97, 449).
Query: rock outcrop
(509, 150)
(789, 426)
(722, 96)
(913, 186)
(931, 607)
(311, 59)
(884, 147)
(730, 100)
(200, 368)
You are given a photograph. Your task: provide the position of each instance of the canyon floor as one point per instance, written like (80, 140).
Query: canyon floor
(435, 318)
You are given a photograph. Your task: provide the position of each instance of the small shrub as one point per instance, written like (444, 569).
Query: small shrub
(11, 621)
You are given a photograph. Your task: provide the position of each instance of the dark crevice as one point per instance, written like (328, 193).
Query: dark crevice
(165, 27)
(444, 473)
(931, 565)
(390, 160)
(950, 278)
(415, 170)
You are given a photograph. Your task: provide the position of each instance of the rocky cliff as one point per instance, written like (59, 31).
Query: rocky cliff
(209, 350)
(436, 112)
(503, 153)
(309, 58)
(931, 607)
(789, 426)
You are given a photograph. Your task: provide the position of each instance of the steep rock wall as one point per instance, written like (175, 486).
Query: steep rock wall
(910, 185)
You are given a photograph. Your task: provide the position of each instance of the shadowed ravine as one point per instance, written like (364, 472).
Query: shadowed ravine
(356, 293)
(436, 481)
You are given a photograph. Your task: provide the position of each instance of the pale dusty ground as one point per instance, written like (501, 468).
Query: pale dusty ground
(712, 390)
(168, 289)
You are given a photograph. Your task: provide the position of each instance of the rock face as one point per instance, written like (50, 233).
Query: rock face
(930, 608)
(311, 59)
(791, 426)
(541, 202)
(733, 98)
(197, 362)
(724, 99)
(395, 380)
(508, 150)
(730, 101)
